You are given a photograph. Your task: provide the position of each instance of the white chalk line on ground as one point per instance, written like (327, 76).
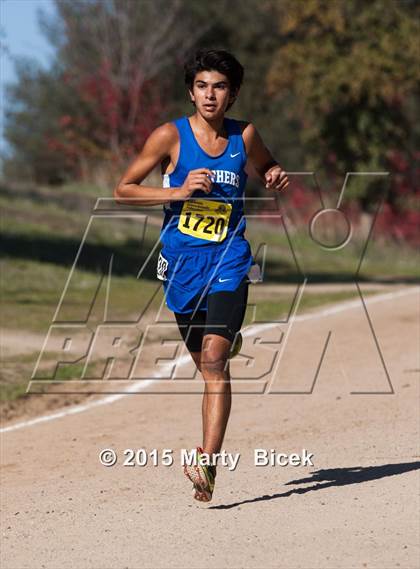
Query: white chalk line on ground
(142, 384)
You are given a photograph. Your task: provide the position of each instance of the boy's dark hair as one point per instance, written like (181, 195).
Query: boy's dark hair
(214, 60)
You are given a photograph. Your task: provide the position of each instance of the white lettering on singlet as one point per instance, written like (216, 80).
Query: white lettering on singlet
(220, 177)
(226, 177)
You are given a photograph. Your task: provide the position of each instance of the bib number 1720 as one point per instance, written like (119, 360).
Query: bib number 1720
(205, 219)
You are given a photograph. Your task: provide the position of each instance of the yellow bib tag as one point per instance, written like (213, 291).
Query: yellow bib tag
(205, 219)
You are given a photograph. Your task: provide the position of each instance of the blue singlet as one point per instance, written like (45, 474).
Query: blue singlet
(204, 248)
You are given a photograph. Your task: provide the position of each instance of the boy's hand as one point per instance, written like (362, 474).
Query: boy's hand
(200, 179)
(276, 178)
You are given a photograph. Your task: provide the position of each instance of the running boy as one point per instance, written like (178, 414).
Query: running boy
(205, 257)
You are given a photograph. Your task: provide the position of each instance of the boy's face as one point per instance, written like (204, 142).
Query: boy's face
(211, 94)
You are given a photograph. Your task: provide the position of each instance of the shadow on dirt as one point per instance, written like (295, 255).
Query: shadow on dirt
(331, 477)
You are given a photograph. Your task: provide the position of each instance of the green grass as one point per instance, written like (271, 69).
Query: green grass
(73, 371)
(269, 310)
(12, 391)
(17, 375)
(83, 189)
(381, 260)
(32, 291)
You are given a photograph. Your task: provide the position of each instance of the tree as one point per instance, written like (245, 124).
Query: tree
(106, 89)
(353, 71)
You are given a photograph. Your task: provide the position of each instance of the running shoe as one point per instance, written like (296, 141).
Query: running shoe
(202, 477)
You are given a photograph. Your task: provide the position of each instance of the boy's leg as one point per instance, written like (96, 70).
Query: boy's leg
(225, 315)
(209, 342)
(192, 329)
(217, 391)
(209, 337)
(214, 412)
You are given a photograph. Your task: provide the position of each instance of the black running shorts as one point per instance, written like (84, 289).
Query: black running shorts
(224, 317)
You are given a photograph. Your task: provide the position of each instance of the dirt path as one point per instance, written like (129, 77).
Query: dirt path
(358, 506)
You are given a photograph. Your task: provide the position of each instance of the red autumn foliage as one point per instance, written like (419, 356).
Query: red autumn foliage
(111, 123)
(398, 219)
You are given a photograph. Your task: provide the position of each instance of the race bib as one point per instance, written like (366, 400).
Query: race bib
(205, 219)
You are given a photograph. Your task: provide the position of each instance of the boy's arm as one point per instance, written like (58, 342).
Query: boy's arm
(159, 146)
(258, 154)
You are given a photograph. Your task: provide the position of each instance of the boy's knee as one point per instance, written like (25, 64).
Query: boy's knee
(213, 362)
(214, 354)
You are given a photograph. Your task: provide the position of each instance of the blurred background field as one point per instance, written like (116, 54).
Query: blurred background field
(333, 87)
